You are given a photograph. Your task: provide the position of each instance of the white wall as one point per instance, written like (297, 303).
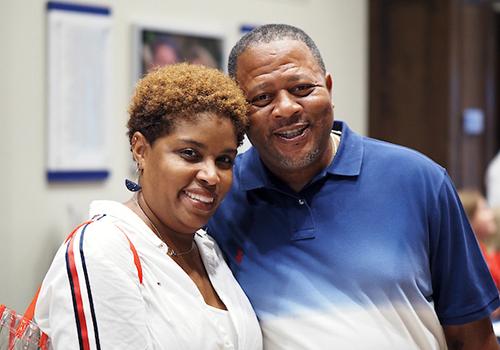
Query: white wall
(36, 216)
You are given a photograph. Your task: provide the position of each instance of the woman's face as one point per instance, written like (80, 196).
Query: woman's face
(187, 172)
(483, 223)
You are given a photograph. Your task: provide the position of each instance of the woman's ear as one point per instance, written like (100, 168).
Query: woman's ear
(140, 147)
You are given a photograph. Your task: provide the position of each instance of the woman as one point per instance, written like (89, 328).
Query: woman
(142, 275)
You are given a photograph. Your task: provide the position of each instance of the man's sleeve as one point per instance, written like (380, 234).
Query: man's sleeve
(463, 290)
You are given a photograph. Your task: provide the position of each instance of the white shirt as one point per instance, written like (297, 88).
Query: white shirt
(92, 292)
(225, 326)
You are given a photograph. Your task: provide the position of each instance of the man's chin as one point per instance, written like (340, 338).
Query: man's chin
(298, 161)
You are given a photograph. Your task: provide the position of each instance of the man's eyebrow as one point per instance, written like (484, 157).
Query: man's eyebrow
(295, 78)
(261, 86)
(291, 78)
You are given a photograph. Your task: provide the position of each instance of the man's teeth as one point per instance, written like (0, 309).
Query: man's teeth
(200, 198)
(291, 133)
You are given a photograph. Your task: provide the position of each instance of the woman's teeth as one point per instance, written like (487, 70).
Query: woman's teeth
(200, 198)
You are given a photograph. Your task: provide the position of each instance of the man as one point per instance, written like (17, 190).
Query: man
(341, 241)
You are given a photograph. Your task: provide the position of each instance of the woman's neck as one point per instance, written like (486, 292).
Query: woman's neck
(178, 243)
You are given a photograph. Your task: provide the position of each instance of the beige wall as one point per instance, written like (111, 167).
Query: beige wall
(36, 216)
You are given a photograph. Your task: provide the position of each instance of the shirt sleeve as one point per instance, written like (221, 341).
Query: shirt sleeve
(91, 296)
(463, 290)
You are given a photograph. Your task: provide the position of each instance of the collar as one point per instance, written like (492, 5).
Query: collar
(253, 173)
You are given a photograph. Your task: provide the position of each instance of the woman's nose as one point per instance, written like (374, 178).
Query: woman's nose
(208, 173)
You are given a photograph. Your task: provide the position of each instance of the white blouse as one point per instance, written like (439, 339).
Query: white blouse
(92, 295)
(225, 327)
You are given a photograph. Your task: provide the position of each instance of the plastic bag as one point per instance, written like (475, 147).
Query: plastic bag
(19, 332)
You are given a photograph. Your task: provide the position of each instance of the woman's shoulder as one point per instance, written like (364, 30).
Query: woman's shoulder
(112, 225)
(103, 230)
(100, 240)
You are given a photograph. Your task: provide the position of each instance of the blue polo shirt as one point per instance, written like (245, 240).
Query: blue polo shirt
(375, 252)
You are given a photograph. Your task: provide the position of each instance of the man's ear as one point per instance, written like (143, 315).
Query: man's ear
(140, 147)
(329, 82)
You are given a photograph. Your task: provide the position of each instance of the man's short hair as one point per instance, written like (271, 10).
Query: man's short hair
(268, 33)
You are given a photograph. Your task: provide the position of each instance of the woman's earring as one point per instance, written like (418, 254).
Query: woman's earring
(134, 186)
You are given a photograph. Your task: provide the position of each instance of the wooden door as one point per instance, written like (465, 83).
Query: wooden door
(430, 60)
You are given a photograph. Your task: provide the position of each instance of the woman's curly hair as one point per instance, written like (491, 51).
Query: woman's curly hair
(179, 92)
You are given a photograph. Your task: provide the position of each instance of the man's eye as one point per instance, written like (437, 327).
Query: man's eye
(302, 89)
(225, 162)
(189, 154)
(261, 100)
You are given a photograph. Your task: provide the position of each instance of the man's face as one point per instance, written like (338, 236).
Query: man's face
(291, 114)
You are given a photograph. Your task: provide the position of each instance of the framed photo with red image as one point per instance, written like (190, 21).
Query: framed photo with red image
(158, 46)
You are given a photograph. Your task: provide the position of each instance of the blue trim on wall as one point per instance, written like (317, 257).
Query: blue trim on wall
(70, 176)
(95, 10)
(245, 28)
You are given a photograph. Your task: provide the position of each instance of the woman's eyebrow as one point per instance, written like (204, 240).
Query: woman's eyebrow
(192, 142)
(203, 146)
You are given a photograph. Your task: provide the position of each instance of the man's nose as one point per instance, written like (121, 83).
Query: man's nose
(285, 105)
(208, 173)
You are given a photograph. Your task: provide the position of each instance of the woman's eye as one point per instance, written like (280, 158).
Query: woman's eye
(261, 100)
(189, 154)
(225, 162)
(302, 89)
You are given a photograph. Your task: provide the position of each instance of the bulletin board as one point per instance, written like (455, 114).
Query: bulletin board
(78, 92)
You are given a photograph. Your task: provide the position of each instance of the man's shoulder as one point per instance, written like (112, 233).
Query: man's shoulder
(376, 154)
(400, 166)
(384, 152)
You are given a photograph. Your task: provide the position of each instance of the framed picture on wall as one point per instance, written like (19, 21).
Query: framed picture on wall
(155, 47)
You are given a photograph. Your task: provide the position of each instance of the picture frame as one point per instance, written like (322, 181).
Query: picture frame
(155, 46)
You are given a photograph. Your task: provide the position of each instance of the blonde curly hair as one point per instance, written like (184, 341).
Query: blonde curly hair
(182, 91)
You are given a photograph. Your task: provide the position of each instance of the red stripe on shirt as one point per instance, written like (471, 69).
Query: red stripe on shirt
(79, 312)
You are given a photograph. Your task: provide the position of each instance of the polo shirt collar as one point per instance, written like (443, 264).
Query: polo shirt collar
(347, 162)
(349, 157)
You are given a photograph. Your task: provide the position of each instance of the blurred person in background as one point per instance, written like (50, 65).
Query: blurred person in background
(163, 51)
(198, 54)
(142, 275)
(483, 223)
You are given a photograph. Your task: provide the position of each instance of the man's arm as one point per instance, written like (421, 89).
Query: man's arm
(471, 336)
